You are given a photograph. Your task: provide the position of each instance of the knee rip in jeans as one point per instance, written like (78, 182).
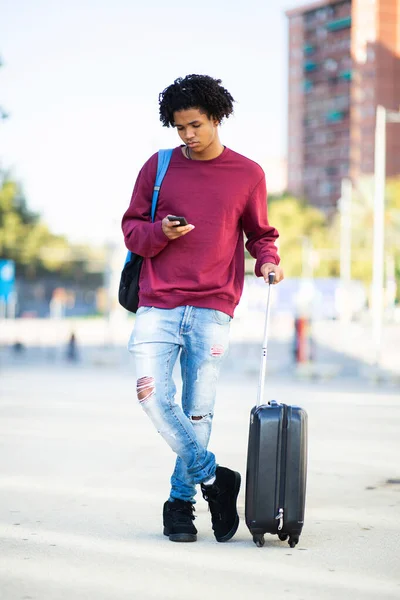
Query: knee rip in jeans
(199, 418)
(217, 350)
(145, 388)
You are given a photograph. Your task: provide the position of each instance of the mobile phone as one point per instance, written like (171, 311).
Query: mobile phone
(182, 220)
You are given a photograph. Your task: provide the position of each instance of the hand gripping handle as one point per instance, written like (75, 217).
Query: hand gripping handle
(263, 368)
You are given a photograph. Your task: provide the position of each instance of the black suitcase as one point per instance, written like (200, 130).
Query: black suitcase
(276, 465)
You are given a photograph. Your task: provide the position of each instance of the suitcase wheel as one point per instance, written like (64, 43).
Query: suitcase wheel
(283, 536)
(259, 540)
(293, 540)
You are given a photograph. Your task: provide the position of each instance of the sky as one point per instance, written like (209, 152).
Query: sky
(80, 81)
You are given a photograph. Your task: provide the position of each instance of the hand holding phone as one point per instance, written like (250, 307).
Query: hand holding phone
(175, 227)
(182, 220)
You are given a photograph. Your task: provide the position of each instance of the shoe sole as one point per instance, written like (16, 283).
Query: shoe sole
(180, 537)
(234, 529)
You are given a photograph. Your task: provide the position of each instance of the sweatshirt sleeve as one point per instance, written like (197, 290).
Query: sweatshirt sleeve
(141, 235)
(260, 235)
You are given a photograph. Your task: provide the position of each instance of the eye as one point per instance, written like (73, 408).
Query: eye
(196, 126)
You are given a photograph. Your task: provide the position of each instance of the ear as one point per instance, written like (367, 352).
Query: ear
(215, 122)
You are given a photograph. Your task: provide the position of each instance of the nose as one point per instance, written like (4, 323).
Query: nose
(189, 134)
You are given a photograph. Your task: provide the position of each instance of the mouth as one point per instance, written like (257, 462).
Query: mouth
(191, 144)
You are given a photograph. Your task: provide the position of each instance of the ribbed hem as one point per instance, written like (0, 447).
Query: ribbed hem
(173, 300)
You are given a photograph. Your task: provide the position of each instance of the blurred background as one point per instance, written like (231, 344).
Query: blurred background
(82, 473)
(318, 98)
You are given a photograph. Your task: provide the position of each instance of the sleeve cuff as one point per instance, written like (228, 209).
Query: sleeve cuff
(159, 235)
(266, 259)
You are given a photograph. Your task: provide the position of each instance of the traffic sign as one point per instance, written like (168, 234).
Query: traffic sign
(7, 278)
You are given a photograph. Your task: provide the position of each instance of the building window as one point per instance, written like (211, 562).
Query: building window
(310, 17)
(339, 24)
(331, 171)
(326, 188)
(335, 116)
(322, 14)
(330, 65)
(310, 66)
(345, 75)
(321, 137)
(341, 102)
(321, 33)
(307, 85)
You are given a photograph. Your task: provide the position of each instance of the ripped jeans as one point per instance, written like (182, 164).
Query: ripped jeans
(201, 335)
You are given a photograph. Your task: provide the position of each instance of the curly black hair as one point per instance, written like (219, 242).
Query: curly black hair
(195, 91)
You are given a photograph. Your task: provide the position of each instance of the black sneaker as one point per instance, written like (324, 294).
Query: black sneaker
(178, 521)
(221, 497)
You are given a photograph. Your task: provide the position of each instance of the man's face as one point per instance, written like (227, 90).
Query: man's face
(195, 129)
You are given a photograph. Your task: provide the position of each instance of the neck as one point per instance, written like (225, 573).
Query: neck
(212, 151)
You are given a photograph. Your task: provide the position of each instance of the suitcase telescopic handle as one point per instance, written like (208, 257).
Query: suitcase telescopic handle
(263, 368)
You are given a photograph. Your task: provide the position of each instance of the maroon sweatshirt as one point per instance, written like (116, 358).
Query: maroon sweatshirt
(222, 198)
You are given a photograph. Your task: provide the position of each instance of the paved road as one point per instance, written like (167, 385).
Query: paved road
(339, 349)
(83, 477)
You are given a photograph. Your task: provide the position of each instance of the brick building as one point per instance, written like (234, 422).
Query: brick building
(344, 60)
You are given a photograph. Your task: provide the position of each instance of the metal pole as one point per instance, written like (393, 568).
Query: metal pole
(390, 284)
(263, 367)
(3, 307)
(345, 232)
(379, 240)
(345, 248)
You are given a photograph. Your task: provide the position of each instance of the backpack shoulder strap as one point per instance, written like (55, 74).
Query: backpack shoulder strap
(164, 157)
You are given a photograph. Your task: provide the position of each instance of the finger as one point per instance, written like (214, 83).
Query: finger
(172, 224)
(276, 278)
(187, 231)
(183, 229)
(177, 232)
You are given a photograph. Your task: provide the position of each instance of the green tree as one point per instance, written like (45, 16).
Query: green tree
(298, 221)
(306, 238)
(27, 240)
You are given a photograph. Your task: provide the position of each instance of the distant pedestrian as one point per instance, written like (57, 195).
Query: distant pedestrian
(72, 350)
(191, 281)
(18, 347)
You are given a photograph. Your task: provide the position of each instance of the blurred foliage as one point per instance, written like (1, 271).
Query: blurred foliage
(27, 240)
(310, 240)
(37, 252)
(304, 229)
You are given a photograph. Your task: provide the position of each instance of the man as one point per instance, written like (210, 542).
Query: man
(191, 281)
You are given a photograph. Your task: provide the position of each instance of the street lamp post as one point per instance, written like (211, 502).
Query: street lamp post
(383, 116)
(345, 248)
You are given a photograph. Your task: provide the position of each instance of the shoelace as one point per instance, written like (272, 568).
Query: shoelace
(180, 512)
(210, 494)
(214, 505)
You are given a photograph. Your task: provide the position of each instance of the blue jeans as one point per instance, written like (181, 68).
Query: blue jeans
(201, 335)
